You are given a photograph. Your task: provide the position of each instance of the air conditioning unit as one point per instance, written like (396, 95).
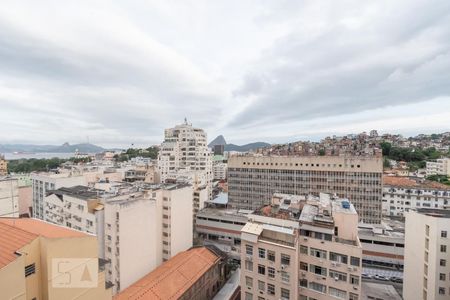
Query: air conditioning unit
(336, 278)
(249, 257)
(303, 274)
(305, 238)
(355, 288)
(355, 269)
(350, 268)
(333, 264)
(283, 267)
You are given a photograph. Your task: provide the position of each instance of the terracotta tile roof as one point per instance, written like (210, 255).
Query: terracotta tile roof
(11, 240)
(41, 228)
(173, 278)
(412, 183)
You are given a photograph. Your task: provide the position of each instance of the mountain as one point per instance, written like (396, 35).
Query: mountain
(64, 148)
(220, 140)
(246, 147)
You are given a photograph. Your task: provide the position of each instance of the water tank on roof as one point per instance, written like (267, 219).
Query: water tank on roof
(345, 204)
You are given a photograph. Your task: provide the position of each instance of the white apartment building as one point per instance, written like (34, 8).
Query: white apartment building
(185, 150)
(439, 167)
(3, 166)
(145, 228)
(401, 194)
(44, 182)
(77, 207)
(427, 258)
(220, 170)
(9, 197)
(301, 248)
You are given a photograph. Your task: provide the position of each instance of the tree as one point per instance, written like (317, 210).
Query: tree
(385, 148)
(321, 152)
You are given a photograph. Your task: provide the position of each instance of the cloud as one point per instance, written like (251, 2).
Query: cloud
(121, 72)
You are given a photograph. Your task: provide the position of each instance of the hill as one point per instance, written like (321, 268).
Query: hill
(64, 148)
(220, 140)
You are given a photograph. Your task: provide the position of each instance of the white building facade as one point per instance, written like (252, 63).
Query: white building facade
(9, 197)
(439, 167)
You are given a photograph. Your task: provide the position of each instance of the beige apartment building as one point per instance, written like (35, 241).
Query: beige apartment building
(145, 228)
(3, 166)
(301, 248)
(43, 261)
(253, 180)
(427, 258)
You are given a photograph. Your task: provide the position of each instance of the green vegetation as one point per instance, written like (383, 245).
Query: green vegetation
(322, 152)
(151, 152)
(440, 178)
(34, 164)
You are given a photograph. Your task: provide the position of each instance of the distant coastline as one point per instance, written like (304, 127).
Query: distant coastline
(47, 155)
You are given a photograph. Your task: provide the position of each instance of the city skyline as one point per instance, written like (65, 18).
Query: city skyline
(257, 71)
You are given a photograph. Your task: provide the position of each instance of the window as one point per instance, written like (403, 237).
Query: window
(261, 285)
(354, 261)
(285, 276)
(318, 287)
(248, 281)
(443, 248)
(441, 291)
(427, 230)
(270, 289)
(337, 293)
(261, 253)
(261, 270)
(442, 276)
(318, 270)
(337, 257)
(271, 272)
(352, 296)
(284, 293)
(338, 275)
(354, 279)
(30, 269)
(271, 255)
(303, 266)
(249, 265)
(443, 233)
(442, 262)
(318, 253)
(249, 249)
(285, 259)
(303, 283)
(303, 249)
(248, 296)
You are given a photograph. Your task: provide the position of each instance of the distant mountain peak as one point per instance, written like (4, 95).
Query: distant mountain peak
(219, 140)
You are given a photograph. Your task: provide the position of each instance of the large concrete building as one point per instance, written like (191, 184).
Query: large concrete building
(427, 259)
(39, 260)
(253, 180)
(301, 248)
(185, 151)
(145, 228)
(401, 194)
(9, 197)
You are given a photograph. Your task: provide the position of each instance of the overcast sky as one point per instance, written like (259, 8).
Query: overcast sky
(119, 72)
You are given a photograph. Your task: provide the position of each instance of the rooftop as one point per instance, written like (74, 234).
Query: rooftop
(412, 182)
(41, 228)
(433, 212)
(173, 278)
(78, 191)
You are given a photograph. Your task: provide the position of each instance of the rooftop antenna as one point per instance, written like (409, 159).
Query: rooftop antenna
(185, 121)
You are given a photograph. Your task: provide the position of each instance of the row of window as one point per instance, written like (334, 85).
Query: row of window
(333, 256)
(338, 276)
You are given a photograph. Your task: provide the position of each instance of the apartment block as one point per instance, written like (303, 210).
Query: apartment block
(301, 248)
(427, 259)
(439, 167)
(45, 261)
(197, 273)
(145, 228)
(3, 166)
(44, 182)
(9, 197)
(401, 194)
(220, 170)
(253, 180)
(185, 150)
(78, 207)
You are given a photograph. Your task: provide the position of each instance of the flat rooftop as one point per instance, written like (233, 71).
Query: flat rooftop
(78, 191)
(413, 182)
(437, 213)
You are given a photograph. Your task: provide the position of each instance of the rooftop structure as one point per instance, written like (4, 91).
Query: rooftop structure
(181, 277)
